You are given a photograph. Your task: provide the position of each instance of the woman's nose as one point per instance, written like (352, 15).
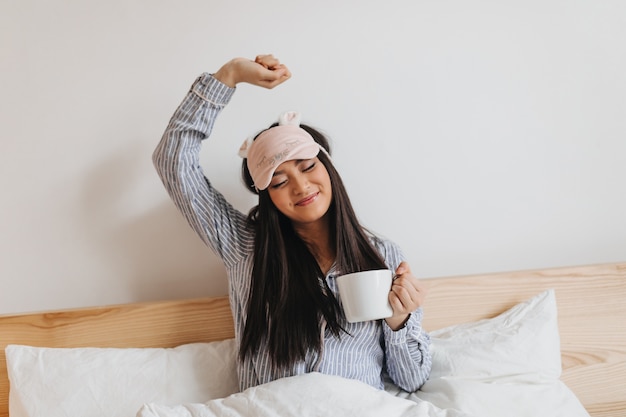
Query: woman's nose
(301, 184)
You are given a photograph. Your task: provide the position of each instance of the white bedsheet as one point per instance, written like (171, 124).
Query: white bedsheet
(311, 394)
(324, 395)
(500, 399)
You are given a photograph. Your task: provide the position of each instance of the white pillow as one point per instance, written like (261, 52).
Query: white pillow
(505, 366)
(109, 382)
(523, 340)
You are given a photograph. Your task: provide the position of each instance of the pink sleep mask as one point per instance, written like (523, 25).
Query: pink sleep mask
(285, 142)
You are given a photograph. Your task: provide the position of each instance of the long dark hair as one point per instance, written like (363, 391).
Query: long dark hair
(289, 295)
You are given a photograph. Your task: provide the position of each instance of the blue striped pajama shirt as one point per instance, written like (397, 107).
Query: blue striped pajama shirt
(370, 350)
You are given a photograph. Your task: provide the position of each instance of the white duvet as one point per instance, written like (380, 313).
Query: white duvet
(324, 395)
(305, 395)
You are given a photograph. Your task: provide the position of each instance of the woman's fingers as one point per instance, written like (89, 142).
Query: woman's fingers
(275, 76)
(265, 71)
(407, 292)
(268, 61)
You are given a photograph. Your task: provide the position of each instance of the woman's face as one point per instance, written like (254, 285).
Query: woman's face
(301, 190)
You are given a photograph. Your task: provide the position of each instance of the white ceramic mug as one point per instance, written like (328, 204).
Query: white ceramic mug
(365, 295)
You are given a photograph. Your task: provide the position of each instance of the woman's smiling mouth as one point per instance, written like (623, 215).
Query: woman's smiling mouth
(308, 199)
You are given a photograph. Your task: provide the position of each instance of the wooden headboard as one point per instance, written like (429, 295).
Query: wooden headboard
(591, 304)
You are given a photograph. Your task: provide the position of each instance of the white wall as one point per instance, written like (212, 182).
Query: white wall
(482, 136)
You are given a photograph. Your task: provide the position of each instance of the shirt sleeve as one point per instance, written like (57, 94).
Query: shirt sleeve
(407, 351)
(176, 159)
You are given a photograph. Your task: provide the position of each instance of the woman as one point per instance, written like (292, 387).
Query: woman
(282, 259)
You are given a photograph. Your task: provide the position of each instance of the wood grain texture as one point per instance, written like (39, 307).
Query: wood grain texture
(156, 324)
(591, 304)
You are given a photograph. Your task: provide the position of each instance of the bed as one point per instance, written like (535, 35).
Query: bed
(591, 338)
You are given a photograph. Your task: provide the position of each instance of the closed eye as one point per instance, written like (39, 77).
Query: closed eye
(280, 184)
(309, 167)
